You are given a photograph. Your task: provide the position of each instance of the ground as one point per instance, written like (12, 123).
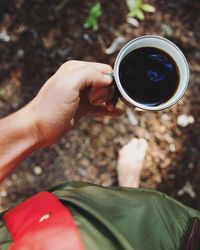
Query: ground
(40, 35)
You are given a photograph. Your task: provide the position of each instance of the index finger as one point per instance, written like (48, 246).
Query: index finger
(75, 64)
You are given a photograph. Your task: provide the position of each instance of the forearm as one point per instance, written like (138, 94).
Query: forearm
(17, 140)
(49, 115)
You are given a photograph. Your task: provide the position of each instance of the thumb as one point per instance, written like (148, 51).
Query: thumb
(89, 76)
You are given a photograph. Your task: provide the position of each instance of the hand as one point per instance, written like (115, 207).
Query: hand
(76, 89)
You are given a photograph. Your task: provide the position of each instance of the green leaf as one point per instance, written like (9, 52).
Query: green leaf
(89, 22)
(148, 8)
(95, 11)
(133, 4)
(137, 13)
(132, 13)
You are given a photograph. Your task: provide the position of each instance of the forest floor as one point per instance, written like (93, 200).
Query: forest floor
(39, 36)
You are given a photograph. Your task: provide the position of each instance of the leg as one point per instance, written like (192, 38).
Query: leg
(130, 163)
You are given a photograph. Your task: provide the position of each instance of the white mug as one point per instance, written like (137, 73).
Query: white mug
(169, 48)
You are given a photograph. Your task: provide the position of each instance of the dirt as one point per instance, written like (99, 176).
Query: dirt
(44, 34)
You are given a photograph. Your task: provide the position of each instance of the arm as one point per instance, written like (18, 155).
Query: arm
(17, 140)
(64, 98)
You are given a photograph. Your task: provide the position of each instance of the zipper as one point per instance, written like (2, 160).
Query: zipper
(192, 234)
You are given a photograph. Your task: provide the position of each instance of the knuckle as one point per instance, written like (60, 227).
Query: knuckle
(67, 64)
(90, 69)
(71, 62)
(63, 65)
(109, 67)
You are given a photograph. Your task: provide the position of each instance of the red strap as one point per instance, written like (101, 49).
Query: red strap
(42, 222)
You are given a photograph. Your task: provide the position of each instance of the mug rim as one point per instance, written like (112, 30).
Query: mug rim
(127, 97)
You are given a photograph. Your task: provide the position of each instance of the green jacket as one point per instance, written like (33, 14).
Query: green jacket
(126, 219)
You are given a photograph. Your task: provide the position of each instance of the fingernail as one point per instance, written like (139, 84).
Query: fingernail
(109, 74)
(109, 77)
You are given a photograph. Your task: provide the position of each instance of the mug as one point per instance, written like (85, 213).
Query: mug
(169, 48)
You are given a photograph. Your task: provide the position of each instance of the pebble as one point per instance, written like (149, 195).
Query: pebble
(191, 165)
(4, 37)
(187, 188)
(9, 183)
(37, 170)
(132, 21)
(184, 120)
(172, 148)
(131, 117)
(3, 193)
(86, 37)
(168, 138)
(20, 53)
(165, 118)
(82, 172)
(162, 129)
(116, 45)
(172, 176)
(84, 162)
(63, 52)
(166, 30)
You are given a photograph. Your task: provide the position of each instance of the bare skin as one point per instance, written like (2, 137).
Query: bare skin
(75, 90)
(130, 162)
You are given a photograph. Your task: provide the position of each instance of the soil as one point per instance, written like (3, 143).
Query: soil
(44, 34)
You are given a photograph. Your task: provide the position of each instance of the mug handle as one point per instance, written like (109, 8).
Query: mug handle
(116, 93)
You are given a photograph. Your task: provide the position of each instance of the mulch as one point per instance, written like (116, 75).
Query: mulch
(44, 34)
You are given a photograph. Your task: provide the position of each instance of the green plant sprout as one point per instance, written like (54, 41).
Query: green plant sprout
(137, 9)
(92, 19)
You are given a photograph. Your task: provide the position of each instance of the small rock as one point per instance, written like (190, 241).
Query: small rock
(172, 176)
(168, 138)
(191, 165)
(132, 21)
(82, 172)
(4, 37)
(187, 188)
(117, 44)
(166, 30)
(172, 148)
(63, 52)
(37, 170)
(9, 183)
(3, 193)
(119, 140)
(68, 145)
(166, 163)
(158, 179)
(165, 118)
(87, 38)
(20, 53)
(84, 162)
(14, 177)
(184, 120)
(131, 117)
(162, 129)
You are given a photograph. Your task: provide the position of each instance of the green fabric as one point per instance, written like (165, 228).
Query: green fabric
(122, 218)
(5, 237)
(92, 233)
(136, 218)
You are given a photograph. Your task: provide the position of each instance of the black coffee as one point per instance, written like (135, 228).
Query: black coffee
(149, 76)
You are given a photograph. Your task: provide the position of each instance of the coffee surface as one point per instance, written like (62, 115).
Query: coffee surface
(149, 76)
